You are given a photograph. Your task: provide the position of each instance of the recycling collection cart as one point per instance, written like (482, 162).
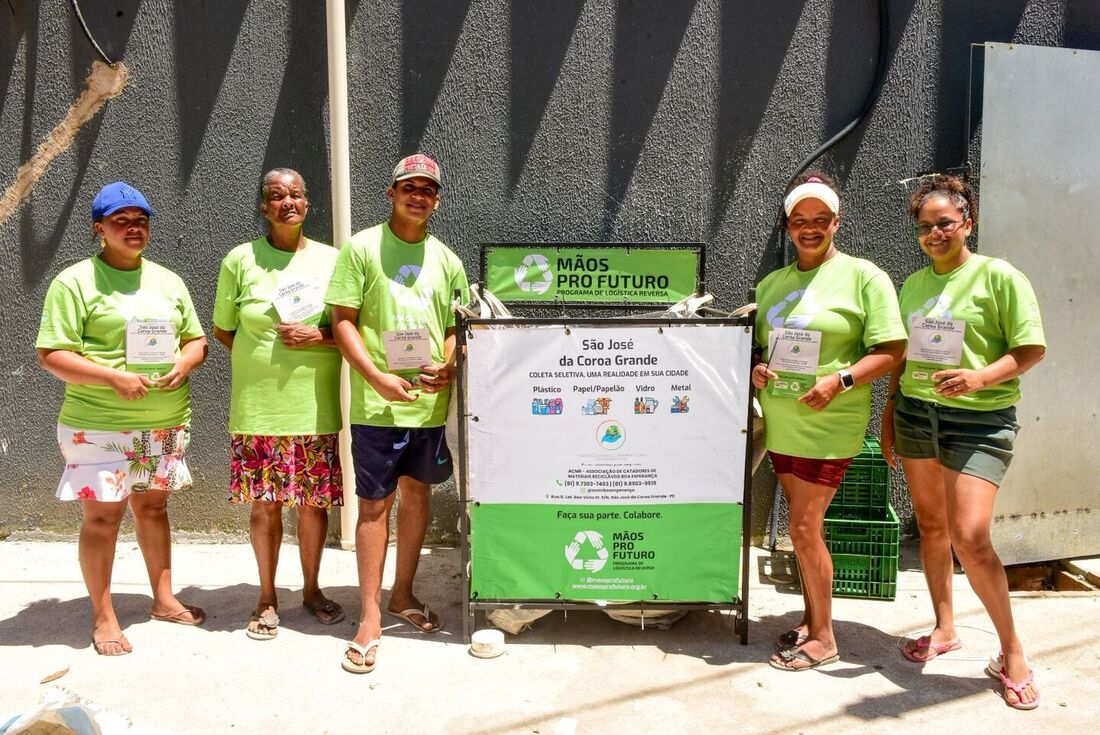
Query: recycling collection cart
(604, 460)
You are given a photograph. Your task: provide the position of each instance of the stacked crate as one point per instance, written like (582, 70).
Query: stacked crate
(861, 529)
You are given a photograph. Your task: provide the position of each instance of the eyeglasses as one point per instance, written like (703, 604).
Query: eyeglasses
(946, 227)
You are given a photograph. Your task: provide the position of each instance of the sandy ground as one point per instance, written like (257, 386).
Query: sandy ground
(585, 672)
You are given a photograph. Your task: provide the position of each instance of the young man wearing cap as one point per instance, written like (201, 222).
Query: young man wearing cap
(391, 295)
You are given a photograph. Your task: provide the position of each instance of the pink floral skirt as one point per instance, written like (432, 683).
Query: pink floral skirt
(109, 465)
(292, 470)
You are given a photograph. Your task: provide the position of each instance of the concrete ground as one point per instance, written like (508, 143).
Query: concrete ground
(587, 672)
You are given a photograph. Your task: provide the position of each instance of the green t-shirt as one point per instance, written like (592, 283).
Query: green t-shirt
(854, 306)
(277, 391)
(397, 285)
(1001, 313)
(88, 306)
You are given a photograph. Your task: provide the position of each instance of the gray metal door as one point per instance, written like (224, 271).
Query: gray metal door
(1040, 210)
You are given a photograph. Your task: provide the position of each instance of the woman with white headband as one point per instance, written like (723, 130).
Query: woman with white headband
(828, 325)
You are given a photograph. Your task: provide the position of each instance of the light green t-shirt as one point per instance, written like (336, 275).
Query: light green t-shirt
(1001, 313)
(87, 308)
(854, 306)
(397, 285)
(277, 391)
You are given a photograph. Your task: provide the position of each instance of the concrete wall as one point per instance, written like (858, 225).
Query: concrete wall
(554, 120)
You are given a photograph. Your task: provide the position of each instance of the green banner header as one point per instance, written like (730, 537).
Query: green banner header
(592, 274)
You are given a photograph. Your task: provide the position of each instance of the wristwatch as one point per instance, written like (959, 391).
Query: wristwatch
(847, 382)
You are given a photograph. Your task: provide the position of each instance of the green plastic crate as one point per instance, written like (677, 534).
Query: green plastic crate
(865, 554)
(861, 529)
(866, 482)
(872, 577)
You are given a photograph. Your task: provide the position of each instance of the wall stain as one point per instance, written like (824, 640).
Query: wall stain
(102, 83)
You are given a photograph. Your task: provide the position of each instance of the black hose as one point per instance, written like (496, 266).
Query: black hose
(868, 104)
(88, 33)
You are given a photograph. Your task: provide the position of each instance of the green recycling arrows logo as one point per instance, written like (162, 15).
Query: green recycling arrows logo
(579, 560)
(534, 274)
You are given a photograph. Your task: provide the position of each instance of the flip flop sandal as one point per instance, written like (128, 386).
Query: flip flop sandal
(931, 649)
(406, 615)
(799, 655)
(1019, 689)
(364, 668)
(333, 609)
(266, 625)
(187, 615)
(99, 647)
(791, 639)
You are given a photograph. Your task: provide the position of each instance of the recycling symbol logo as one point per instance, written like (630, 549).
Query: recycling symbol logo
(406, 273)
(804, 300)
(534, 266)
(579, 557)
(937, 307)
(405, 290)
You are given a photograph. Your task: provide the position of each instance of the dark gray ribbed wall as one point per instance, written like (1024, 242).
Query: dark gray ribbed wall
(561, 120)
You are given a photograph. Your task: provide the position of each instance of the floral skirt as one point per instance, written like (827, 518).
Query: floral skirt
(292, 470)
(109, 465)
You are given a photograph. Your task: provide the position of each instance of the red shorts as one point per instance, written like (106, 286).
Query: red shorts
(828, 472)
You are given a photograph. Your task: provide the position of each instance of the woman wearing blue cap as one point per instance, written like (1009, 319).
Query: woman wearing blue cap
(122, 333)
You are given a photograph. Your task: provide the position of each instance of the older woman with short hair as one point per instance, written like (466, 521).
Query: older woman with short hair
(284, 413)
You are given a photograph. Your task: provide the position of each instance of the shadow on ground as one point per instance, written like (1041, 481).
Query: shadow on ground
(705, 635)
(53, 621)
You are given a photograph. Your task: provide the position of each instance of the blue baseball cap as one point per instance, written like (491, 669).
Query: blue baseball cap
(116, 196)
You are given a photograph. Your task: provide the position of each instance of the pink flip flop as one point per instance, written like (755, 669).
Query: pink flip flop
(931, 649)
(1019, 689)
(997, 671)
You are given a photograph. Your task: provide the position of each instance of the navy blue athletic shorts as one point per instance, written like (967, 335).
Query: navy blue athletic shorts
(381, 454)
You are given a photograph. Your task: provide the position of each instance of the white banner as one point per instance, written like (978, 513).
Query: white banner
(608, 415)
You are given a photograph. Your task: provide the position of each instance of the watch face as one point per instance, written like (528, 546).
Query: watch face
(847, 380)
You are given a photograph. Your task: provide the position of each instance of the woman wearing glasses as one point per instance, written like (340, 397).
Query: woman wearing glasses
(974, 328)
(830, 326)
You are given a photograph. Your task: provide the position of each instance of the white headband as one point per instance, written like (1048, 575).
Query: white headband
(812, 190)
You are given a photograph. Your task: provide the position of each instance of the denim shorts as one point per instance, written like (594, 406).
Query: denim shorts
(977, 443)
